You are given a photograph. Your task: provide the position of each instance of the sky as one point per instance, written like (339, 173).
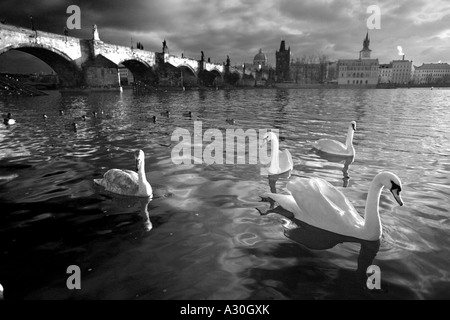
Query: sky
(239, 28)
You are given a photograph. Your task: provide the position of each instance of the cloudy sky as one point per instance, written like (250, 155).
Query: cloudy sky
(239, 28)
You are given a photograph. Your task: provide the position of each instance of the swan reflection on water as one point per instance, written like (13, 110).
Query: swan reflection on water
(139, 203)
(136, 204)
(348, 160)
(318, 239)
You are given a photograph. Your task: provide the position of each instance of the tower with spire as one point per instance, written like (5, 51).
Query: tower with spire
(365, 52)
(283, 60)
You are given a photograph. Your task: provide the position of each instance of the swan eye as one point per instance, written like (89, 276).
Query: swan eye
(395, 187)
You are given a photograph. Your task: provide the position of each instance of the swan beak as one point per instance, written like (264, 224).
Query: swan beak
(263, 143)
(354, 127)
(398, 198)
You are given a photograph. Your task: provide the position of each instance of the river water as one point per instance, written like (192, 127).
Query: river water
(203, 236)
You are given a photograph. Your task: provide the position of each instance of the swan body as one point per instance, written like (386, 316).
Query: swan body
(127, 182)
(319, 204)
(281, 161)
(336, 147)
(9, 120)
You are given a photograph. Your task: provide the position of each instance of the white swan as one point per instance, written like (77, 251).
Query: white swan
(127, 182)
(319, 204)
(281, 161)
(1, 292)
(336, 147)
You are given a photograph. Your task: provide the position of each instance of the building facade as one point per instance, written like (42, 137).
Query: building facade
(359, 72)
(432, 73)
(402, 72)
(126, 77)
(385, 73)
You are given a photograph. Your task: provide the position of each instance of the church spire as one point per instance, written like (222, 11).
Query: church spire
(366, 42)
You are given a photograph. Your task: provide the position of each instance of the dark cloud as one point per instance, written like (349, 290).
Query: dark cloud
(239, 28)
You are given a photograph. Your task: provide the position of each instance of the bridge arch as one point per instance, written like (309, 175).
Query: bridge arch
(140, 69)
(189, 76)
(210, 78)
(68, 72)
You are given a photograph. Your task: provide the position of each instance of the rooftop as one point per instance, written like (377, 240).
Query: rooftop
(428, 66)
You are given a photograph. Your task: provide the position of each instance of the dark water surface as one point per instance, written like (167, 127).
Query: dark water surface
(202, 236)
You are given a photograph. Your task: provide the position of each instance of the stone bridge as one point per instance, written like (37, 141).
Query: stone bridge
(94, 63)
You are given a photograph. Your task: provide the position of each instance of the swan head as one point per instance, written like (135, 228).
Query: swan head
(353, 125)
(140, 157)
(393, 183)
(9, 116)
(269, 136)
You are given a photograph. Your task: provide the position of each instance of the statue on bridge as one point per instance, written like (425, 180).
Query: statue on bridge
(95, 33)
(165, 47)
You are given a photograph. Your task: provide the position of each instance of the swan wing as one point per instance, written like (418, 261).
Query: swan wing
(325, 206)
(119, 181)
(286, 162)
(330, 146)
(287, 202)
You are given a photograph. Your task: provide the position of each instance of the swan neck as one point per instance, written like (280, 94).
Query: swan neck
(275, 163)
(350, 134)
(372, 224)
(141, 171)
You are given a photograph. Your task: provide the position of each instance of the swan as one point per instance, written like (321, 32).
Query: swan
(281, 161)
(9, 120)
(1, 292)
(336, 147)
(319, 204)
(44, 116)
(127, 182)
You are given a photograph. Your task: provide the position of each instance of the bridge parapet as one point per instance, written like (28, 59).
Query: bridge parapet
(214, 67)
(12, 37)
(183, 61)
(118, 54)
